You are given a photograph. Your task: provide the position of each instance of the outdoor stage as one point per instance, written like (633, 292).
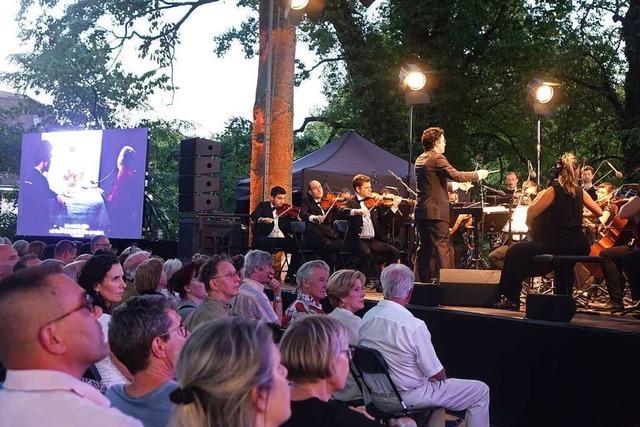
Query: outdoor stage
(582, 373)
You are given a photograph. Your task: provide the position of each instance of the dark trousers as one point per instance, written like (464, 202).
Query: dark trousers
(368, 253)
(619, 259)
(518, 264)
(323, 246)
(434, 251)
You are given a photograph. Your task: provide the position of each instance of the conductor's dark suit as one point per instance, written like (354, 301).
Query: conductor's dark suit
(432, 211)
(365, 248)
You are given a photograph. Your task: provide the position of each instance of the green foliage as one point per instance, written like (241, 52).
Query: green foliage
(236, 155)
(8, 218)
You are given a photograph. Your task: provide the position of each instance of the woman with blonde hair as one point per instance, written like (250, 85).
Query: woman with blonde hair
(555, 224)
(150, 277)
(229, 375)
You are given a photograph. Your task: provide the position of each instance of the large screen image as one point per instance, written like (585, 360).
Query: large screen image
(82, 183)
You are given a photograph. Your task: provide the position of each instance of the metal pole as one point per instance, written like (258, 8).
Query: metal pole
(410, 144)
(538, 151)
(267, 104)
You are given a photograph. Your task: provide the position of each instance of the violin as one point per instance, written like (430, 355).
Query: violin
(330, 200)
(386, 200)
(286, 210)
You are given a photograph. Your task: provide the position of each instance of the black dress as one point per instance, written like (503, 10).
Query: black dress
(317, 413)
(558, 231)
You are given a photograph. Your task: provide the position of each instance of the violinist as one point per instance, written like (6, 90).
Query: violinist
(363, 236)
(623, 259)
(272, 227)
(319, 235)
(586, 178)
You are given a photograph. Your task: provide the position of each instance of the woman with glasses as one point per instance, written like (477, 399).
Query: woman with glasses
(230, 375)
(102, 279)
(315, 350)
(189, 288)
(222, 283)
(346, 293)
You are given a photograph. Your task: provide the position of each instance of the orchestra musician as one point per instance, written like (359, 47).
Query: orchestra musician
(623, 259)
(272, 227)
(560, 207)
(320, 235)
(432, 208)
(458, 230)
(510, 183)
(363, 236)
(587, 181)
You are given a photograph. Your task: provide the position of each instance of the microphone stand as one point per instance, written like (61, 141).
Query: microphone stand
(410, 224)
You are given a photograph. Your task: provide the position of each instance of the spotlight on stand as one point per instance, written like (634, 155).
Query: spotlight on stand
(296, 9)
(413, 82)
(545, 97)
(299, 4)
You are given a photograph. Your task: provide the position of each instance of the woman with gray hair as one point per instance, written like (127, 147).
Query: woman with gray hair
(230, 375)
(315, 350)
(312, 279)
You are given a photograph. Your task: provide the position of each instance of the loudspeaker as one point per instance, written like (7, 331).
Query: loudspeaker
(187, 237)
(555, 308)
(198, 184)
(198, 202)
(199, 147)
(426, 294)
(199, 165)
(477, 288)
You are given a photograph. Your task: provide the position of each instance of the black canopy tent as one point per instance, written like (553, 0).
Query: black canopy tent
(335, 164)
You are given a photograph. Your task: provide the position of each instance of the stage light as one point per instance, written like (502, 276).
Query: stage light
(299, 4)
(416, 80)
(544, 93)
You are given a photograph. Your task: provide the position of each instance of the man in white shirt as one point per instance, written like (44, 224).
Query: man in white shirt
(252, 302)
(405, 343)
(49, 336)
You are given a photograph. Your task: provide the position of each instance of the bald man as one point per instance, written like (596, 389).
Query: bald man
(8, 259)
(48, 338)
(319, 234)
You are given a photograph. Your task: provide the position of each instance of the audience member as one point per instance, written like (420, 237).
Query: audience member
(130, 266)
(8, 259)
(252, 302)
(405, 343)
(65, 251)
(312, 287)
(190, 289)
(238, 263)
(5, 241)
(171, 266)
(315, 350)
(146, 335)
(58, 338)
(84, 257)
(52, 265)
(37, 248)
(230, 375)
(100, 242)
(129, 250)
(346, 293)
(149, 277)
(101, 277)
(73, 269)
(26, 261)
(222, 284)
(21, 247)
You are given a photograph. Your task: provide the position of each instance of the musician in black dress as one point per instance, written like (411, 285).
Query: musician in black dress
(555, 220)
(319, 234)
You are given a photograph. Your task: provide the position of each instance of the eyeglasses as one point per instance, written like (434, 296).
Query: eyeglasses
(87, 303)
(349, 352)
(229, 275)
(182, 330)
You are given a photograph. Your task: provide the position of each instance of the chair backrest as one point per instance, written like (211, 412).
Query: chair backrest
(374, 373)
(298, 227)
(341, 226)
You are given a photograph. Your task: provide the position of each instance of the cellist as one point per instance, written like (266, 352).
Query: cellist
(623, 259)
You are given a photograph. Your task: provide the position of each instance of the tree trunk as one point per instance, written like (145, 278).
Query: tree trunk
(630, 135)
(281, 135)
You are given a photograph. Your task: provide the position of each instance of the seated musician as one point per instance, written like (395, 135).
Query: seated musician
(623, 259)
(272, 228)
(320, 235)
(560, 207)
(363, 237)
(457, 231)
(510, 183)
(604, 192)
(586, 178)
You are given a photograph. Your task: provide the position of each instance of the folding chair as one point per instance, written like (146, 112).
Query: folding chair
(377, 385)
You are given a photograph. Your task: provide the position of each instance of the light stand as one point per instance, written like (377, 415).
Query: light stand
(538, 150)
